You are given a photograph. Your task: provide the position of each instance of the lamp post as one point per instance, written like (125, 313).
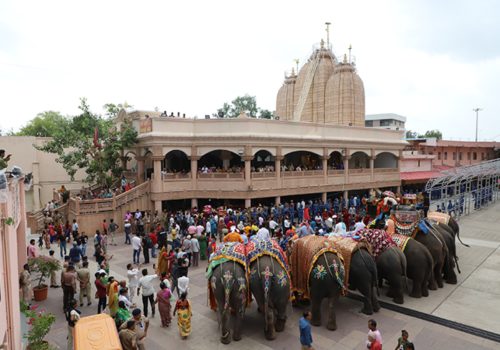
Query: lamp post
(477, 109)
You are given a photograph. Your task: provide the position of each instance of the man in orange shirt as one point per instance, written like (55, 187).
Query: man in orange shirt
(233, 236)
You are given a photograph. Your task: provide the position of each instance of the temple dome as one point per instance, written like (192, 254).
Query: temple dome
(345, 97)
(284, 100)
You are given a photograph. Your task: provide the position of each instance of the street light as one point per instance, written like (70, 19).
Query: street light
(477, 109)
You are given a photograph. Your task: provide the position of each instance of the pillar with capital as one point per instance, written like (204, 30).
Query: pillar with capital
(157, 177)
(325, 158)
(140, 168)
(277, 166)
(372, 165)
(346, 157)
(158, 206)
(194, 202)
(248, 202)
(248, 169)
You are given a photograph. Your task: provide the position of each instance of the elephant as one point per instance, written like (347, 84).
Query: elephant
(363, 277)
(270, 285)
(228, 287)
(390, 260)
(451, 260)
(361, 271)
(317, 272)
(419, 266)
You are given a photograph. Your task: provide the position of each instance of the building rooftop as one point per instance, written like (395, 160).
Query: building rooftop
(386, 116)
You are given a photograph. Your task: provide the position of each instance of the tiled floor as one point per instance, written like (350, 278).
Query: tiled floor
(472, 301)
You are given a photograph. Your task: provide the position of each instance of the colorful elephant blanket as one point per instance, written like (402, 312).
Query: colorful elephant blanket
(347, 246)
(401, 241)
(378, 239)
(258, 247)
(230, 251)
(305, 252)
(442, 218)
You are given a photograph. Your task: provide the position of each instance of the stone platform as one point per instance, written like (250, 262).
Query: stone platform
(475, 301)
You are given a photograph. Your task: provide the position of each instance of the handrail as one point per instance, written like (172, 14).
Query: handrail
(386, 170)
(175, 176)
(221, 175)
(360, 171)
(290, 173)
(262, 174)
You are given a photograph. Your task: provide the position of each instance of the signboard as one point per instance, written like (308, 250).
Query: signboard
(146, 125)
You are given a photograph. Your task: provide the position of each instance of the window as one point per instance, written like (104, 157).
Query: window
(474, 156)
(454, 155)
(439, 155)
(460, 156)
(385, 122)
(419, 163)
(468, 155)
(482, 156)
(445, 155)
(369, 123)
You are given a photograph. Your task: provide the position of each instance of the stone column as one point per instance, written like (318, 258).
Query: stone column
(158, 206)
(277, 166)
(194, 202)
(248, 169)
(346, 159)
(323, 197)
(140, 169)
(277, 200)
(248, 202)
(157, 179)
(346, 198)
(325, 158)
(124, 160)
(372, 165)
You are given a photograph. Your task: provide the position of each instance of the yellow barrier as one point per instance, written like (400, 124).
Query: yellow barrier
(96, 332)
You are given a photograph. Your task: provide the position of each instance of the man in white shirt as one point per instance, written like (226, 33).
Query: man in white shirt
(358, 226)
(183, 285)
(195, 249)
(136, 246)
(133, 281)
(340, 229)
(148, 291)
(263, 233)
(272, 226)
(123, 297)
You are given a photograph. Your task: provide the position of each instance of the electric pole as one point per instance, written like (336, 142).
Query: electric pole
(477, 109)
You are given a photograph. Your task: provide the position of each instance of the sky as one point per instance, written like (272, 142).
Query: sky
(431, 61)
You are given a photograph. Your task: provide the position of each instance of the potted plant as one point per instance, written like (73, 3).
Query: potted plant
(44, 265)
(39, 323)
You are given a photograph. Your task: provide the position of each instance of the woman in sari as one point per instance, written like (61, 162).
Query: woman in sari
(112, 296)
(183, 309)
(122, 314)
(203, 246)
(162, 263)
(163, 301)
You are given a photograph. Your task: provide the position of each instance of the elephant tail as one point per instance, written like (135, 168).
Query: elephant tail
(266, 286)
(372, 268)
(402, 259)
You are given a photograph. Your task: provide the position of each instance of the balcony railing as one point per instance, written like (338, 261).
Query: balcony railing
(385, 170)
(336, 172)
(203, 176)
(175, 176)
(263, 174)
(360, 171)
(302, 173)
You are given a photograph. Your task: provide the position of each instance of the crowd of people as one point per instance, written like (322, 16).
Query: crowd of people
(176, 241)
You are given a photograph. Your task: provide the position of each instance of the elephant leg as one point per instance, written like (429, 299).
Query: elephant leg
(237, 326)
(225, 331)
(316, 310)
(438, 274)
(416, 291)
(375, 303)
(367, 290)
(269, 328)
(425, 291)
(449, 273)
(280, 316)
(332, 319)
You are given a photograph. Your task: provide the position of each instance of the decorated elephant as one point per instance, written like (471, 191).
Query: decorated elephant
(390, 260)
(317, 272)
(228, 287)
(269, 282)
(419, 264)
(360, 270)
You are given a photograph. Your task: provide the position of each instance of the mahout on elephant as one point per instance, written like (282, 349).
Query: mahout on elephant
(317, 272)
(269, 282)
(228, 287)
(360, 270)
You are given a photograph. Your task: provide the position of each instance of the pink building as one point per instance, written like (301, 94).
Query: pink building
(12, 259)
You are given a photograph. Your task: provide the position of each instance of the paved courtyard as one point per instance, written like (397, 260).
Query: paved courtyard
(475, 301)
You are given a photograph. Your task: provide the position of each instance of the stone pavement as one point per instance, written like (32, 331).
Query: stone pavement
(474, 301)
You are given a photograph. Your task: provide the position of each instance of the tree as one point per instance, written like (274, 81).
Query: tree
(433, 133)
(45, 124)
(247, 104)
(112, 109)
(93, 143)
(411, 134)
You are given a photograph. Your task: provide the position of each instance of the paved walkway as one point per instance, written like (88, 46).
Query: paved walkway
(475, 300)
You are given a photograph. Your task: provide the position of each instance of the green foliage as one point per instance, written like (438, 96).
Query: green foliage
(40, 323)
(75, 148)
(428, 134)
(45, 266)
(45, 124)
(112, 109)
(247, 104)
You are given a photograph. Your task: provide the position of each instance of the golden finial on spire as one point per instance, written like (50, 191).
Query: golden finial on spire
(350, 48)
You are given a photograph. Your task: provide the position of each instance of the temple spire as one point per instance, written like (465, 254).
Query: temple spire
(327, 34)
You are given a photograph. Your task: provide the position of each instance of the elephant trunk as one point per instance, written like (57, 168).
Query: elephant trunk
(266, 286)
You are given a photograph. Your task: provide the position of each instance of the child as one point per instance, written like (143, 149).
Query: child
(40, 240)
(53, 276)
